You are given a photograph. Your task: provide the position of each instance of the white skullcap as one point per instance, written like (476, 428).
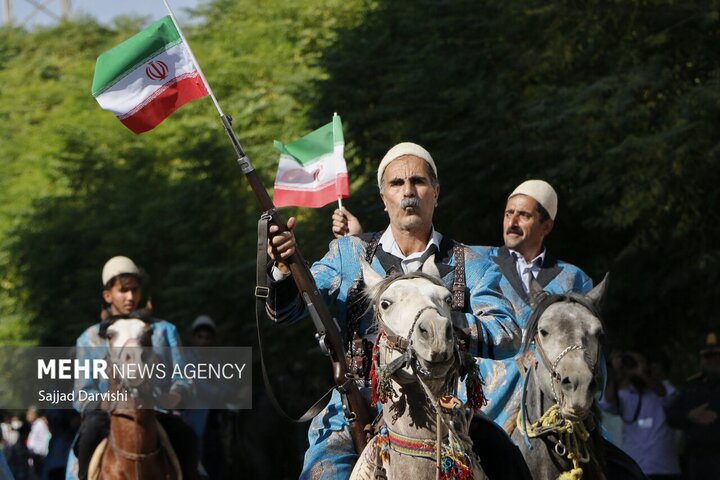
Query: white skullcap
(117, 266)
(405, 148)
(203, 321)
(542, 192)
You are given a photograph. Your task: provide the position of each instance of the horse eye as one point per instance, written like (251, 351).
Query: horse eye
(109, 335)
(384, 304)
(543, 332)
(448, 299)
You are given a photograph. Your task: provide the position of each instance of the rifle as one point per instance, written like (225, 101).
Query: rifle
(328, 332)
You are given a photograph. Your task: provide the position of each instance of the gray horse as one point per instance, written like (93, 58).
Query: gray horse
(562, 357)
(416, 370)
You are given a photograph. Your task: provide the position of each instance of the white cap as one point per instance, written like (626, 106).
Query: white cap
(405, 148)
(117, 266)
(541, 191)
(203, 321)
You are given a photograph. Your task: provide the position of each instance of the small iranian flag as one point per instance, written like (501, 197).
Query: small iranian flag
(312, 170)
(147, 77)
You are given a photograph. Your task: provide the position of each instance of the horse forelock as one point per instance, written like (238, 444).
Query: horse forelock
(545, 303)
(375, 292)
(142, 315)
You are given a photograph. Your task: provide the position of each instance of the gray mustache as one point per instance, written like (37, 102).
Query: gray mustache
(409, 202)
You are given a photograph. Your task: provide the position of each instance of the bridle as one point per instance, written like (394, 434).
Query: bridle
(123, 384)
(534, 344)
(451, 454)
(402, 345)
(552, 366)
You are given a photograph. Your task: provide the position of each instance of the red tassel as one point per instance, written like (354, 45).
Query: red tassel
(476, 397)
(374, 398)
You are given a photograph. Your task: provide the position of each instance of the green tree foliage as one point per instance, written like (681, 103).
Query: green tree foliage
(77, 187)
(616, 104)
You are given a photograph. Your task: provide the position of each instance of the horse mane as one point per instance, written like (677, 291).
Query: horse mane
(548, 299)
(374, 293)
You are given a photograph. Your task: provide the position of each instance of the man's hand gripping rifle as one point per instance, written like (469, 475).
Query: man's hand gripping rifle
(328, 332)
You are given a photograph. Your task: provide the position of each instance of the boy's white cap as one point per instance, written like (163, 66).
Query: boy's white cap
(203, 321)
(117, 266)
(541, 191)
(405, 148)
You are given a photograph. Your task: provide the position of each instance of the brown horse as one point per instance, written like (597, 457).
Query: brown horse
(136, 448)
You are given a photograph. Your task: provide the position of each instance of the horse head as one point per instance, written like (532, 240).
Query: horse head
(413, 314)
(567, 332)
(125, 337)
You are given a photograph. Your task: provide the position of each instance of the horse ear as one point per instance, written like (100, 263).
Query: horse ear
(429, 267)
(536, 292)
(597, 294)
(370, 276)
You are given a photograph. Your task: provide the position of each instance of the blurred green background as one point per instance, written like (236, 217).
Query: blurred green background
(617, 104)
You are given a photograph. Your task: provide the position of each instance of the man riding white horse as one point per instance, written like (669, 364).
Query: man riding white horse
(122, 293)
(409, 189)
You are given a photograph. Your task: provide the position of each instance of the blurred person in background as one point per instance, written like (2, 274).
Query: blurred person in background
(695, 408)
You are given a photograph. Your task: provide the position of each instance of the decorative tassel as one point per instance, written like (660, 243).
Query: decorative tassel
(473, 384)
(373, 375)
(574, 474)
(381, 387)
(382, 444)
(453, 468)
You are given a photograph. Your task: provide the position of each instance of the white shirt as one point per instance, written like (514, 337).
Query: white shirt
(412, 262)
(525, 268)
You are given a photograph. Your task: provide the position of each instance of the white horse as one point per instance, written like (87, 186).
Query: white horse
(416, 367)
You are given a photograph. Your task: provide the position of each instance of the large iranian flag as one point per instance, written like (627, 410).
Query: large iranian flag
(147, 77)
(312, 170)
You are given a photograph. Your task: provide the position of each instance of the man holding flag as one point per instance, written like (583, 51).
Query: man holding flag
(409, 189)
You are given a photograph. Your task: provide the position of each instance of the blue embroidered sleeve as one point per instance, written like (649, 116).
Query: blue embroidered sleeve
(492, 321)
(172, 339)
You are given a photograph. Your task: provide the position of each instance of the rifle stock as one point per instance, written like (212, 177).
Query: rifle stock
(359, 416)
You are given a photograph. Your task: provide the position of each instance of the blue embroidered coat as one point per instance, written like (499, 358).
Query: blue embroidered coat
(488, 316)
(503, 383)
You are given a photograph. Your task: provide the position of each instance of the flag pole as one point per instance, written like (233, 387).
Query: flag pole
(339, 198)
(194, 60)
(329, 336)
(243, 160)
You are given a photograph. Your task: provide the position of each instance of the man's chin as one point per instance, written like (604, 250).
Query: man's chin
(513, 242)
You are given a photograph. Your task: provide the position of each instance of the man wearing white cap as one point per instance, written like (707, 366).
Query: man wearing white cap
(409, 190)
(529, 217)
(122, 292)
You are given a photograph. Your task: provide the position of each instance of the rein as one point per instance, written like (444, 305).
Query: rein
(380, 377)
(451, 459)
(572, 436)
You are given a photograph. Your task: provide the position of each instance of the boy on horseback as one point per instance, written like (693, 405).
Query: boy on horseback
(409, 190)
(123, 290)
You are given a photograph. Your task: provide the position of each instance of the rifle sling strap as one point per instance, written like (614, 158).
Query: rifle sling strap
(261, 294)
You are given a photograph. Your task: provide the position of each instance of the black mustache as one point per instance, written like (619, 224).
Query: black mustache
(409, 202)
(515, 230)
